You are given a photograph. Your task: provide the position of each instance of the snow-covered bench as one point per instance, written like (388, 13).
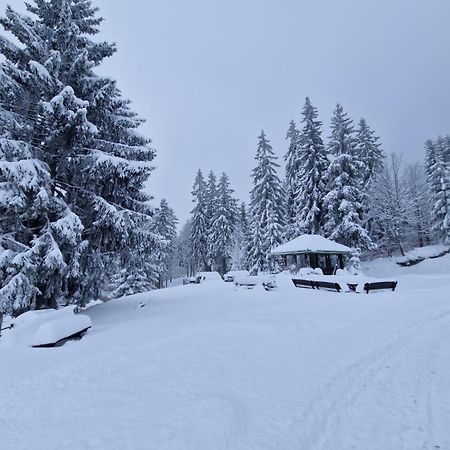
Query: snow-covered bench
(61, 329)
(328, 285)
(303, 283)
(317, 284)
(380, 285)
(249, 282)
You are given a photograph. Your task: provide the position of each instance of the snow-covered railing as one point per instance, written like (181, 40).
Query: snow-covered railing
(418, 255)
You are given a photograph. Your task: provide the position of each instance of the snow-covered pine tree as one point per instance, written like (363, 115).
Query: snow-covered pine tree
(223, 226)
(342, 139)
(184, 250)
(199, 224)
(165, 226)
(210, 211)
(291, 183)
(86, 134)
(438, 172)
(239, 259)
(267, 211)
(40, 233)
(311, 174)
(345, 199)
(368, 151)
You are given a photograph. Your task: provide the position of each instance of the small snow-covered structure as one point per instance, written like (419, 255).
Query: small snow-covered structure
(231, 276)
(201, 277)
(55, 331)
(209, 276)
(312, 250)
(47, 327)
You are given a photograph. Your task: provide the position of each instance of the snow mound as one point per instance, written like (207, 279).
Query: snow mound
(33, 317)
(305, 271)
(53, 331)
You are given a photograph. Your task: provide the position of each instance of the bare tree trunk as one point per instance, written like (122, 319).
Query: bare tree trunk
(400, 246)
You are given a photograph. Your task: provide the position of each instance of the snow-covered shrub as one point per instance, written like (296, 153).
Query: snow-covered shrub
(305, 271)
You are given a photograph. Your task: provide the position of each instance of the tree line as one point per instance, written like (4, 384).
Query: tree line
(343, 187)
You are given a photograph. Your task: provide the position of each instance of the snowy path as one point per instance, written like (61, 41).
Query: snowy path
(211, 367)
(390, 390)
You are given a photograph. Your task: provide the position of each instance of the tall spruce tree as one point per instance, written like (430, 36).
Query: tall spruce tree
(342, 139)
(41, 234)
(184, 259)
(293, 159)
(368, 151)
(241, 239)
(210, 211)
(344, 202)
(311, 173)
(266, 207)
(165, 226)
(223, 226)
(437, 163)
(78, 126)
(199, 224)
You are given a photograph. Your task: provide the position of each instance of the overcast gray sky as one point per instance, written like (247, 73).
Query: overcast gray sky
(208, 75)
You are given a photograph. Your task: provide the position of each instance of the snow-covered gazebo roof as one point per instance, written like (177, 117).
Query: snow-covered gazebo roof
(310, 243)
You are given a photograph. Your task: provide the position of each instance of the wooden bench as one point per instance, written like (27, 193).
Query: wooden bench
(303, 283)
(316, 284)
(328, 285)
(380, 285)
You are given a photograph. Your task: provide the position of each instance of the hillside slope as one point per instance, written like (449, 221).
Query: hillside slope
(215, 367)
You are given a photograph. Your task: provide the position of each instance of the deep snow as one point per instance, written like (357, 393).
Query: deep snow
(211, 366)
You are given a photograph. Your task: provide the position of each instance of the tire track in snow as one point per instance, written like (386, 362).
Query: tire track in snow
(312, 428)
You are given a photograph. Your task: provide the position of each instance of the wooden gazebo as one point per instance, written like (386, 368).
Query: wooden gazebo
(311, 250)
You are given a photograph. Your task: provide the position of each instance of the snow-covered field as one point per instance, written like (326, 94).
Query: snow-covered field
(215, 367)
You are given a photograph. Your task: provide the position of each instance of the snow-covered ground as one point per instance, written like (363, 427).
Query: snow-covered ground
(211, 366)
